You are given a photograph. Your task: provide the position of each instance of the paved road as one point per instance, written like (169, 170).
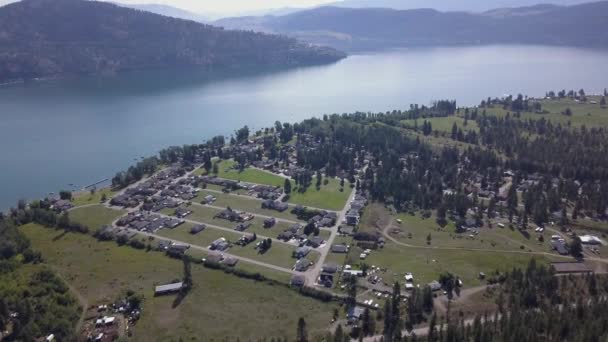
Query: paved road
(313, 273)
(256, 214)
(291, 205)
(231, 230)
(206, 249)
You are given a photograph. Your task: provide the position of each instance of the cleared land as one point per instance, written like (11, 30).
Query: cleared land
(414, 230)
(243, 203)
(428, 264)
(206, 214)
(85, 198)
(102, 271)
(447, 250)
(444, 124)
(327, 197)
(250, 175)
(95, 216)
(582, 113)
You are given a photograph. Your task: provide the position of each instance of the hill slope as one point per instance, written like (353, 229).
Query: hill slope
(373, 28)
(46, 38)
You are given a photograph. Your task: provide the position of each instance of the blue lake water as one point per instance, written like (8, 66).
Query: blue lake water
(80, 131)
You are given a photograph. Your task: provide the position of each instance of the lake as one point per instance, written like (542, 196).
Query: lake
(80, 131)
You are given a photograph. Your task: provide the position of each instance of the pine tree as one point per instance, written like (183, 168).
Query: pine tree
(576, 248)
(302, 334)
(287, 187)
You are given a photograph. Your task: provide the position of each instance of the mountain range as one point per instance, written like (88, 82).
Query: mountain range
(168, 11)
(356, 29)
(451, 5)
(50, 38)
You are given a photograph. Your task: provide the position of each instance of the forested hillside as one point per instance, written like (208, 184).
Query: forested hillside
(34, 302)
(376, 28)
(47, 38)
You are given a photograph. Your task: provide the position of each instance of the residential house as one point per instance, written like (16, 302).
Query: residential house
(435, 285)
(275, 205)
(331, 268)
(301, 252)
(209, 199)
(560, 247)
(354, 314)
(220, 244)
(339, 249)
(346, 230)
(298, 280)
(302, 265)
(241, 227)
(230, 261)
(352, 218)
(286, 236)
(182, 212)
(316, 242)
(62, 205)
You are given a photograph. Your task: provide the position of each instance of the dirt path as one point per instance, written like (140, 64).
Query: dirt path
(84, 302)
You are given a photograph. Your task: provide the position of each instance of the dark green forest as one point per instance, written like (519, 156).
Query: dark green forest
(50, 38)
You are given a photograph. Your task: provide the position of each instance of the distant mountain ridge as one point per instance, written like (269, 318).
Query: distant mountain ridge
(449, 5)
(356, 29)
(167, 10)
(49, 38)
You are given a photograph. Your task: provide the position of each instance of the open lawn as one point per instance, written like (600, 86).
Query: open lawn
(86, 197)
(582, 113)
(245, 204)
(203, 239)
(414, 230)
(218, 307)
(95, 216)
(428, 264)
(206, 214)
(248, 175)
(327, 197)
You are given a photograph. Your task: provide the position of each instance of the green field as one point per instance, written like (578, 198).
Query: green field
(443, 124)
(244, 204)
(248, 175)
(218, 307)
(582, 113)
(86, 197)
(427, 264)
(414, 230)
(206, 214)
(279, 254)
(327, 197)
(95, 216)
